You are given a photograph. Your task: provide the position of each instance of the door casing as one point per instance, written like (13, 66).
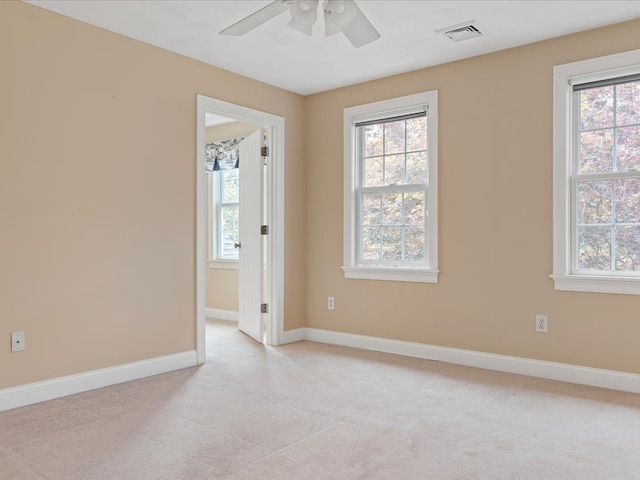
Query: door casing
(274, 213)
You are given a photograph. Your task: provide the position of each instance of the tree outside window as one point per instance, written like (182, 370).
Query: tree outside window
(393, 191)
(607, 178)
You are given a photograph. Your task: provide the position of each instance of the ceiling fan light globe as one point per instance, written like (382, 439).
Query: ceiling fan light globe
(306, 29)
(330, 28)
(304, 12)
(342, 11)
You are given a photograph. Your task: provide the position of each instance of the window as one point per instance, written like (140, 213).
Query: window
(391, 189)
(227, 213)
(222, 159)
(597, 175)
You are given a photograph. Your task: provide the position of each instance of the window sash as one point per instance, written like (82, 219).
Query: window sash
(575, 178)
(217, 235)
(402, 189)
(221, 231)
(360, 145)
(360, 190)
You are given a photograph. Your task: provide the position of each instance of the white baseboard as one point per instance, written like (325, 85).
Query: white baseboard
(595, 377)
(61, 387)
(291, 336)
(229, 315)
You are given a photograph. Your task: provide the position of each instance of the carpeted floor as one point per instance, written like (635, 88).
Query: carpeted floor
(308, 411)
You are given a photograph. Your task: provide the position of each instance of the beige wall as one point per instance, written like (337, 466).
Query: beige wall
(222, 283)
(97, 210)
(495, 201)
(222, 288)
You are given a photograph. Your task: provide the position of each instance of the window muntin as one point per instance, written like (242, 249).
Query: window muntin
(227, 209)
(392, 191)
(606, 177)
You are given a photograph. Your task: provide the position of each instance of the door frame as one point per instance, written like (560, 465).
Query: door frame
(275, 216)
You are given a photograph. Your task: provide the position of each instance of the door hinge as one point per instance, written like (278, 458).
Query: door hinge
(264, 229)
(264, 308)
(264, 151)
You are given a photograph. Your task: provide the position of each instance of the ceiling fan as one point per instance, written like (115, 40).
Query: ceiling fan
(340, 16)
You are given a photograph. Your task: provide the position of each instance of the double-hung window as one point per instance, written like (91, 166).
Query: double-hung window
(391, 190)
(597, 175)
(227, 221)
(222, 164)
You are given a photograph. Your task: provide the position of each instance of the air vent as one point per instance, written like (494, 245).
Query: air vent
(462, 31)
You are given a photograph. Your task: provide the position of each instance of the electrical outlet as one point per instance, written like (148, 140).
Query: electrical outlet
(331, 304)
(541, 323)
(17, 341)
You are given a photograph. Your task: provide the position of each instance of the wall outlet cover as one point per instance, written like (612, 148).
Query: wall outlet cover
(17, 342)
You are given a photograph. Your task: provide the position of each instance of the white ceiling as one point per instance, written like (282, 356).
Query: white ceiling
(281, 56)
(213, 119)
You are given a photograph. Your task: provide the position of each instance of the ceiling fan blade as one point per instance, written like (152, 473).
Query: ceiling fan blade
(256, 19)
(360, 31)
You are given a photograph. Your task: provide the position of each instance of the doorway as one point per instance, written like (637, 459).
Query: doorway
(273, 208)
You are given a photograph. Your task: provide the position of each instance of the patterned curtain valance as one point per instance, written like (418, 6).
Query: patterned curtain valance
(223, 155)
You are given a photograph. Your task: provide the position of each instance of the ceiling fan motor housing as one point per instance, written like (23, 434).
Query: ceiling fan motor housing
(340, 16)
(342, 11)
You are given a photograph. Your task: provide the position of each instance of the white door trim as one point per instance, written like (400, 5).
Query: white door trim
(275, 215)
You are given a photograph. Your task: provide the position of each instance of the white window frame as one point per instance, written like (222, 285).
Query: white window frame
(214, 260)
(564, 77)
(381, 110)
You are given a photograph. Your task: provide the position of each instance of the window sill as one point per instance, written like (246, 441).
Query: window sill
(223, 264)
(597, 284)
(396, 274)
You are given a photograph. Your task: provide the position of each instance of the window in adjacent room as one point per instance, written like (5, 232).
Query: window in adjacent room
(597, 175)
(224, 220)
(227, 213)
(391, 189)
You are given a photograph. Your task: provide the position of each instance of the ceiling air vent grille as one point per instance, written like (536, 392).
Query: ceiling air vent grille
(463, 31)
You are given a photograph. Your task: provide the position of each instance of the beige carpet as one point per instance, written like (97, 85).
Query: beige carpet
(309, 411)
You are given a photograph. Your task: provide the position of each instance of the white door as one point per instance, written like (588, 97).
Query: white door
(250, 269)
